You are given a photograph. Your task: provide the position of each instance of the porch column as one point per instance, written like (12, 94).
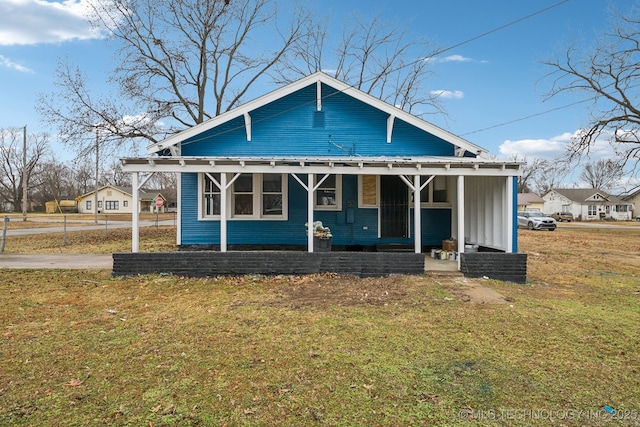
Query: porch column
(223, 212)
(460, 200)
(509, 209)
(135, 213)
(310, 191)
(417, 217)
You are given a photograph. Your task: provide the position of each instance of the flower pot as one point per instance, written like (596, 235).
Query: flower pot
(321, 244)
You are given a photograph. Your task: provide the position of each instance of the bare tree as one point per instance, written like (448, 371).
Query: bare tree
(180, 63)
(53, 180)
(12, 165)
(372, 55)
(185, 61)
(549, 174)
(607, 73)
(603, 174)
(529, 171)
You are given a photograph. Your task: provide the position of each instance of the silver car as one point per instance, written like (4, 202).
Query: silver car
(536, 221)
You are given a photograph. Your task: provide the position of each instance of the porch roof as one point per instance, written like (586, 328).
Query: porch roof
(427, 165)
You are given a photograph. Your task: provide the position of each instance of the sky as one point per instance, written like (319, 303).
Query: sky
(493, 87)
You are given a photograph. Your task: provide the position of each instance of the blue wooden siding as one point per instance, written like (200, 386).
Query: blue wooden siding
(286, 127)
(361, 230)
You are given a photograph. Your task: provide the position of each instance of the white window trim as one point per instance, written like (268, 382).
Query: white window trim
(423, 204)
(257, 201)
(338, 205)
(450, 187)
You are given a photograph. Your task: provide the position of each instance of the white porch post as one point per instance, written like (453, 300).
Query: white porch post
(509, 208)
(179, 209)
(135, 213)
(223, 212)
(460, 200)
(310, 191)
(417, 217)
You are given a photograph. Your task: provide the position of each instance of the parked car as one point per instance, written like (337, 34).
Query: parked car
(536, 221)
(562, 216)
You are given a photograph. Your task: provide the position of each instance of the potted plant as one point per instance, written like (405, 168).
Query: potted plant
(321, 237)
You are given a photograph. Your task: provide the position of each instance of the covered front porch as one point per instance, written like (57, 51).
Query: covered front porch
(480, 207)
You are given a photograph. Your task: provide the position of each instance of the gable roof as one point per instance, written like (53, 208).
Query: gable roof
(128, 191)
(583, 195)
(525, 198)
(315, 78)
(633, 193)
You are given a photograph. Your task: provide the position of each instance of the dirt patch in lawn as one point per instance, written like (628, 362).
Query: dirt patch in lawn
(339, 290)
(474, 291)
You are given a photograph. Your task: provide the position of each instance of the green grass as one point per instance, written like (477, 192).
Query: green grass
(89, 349)
(84, 348)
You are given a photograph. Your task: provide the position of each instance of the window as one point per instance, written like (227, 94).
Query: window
(328, 195)
(591, 210)
(88, 205)
(272, 194)
(251, 196)
(111, 205)
(99, 204)
(211, 195)
(436, 192)
(242, 198)
(368, 197)
(125, 203)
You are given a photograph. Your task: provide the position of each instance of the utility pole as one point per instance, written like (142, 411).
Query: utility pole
(24, 174)
(95, 193)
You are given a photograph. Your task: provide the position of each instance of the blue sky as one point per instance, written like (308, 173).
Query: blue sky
(493, 80)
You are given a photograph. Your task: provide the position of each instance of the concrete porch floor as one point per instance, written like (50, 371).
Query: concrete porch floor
(440, 266)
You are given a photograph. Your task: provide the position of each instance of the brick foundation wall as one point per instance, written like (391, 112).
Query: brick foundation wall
(508, 267)
(205, 263)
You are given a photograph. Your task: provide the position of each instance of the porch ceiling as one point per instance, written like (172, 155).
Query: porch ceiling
(454, 166)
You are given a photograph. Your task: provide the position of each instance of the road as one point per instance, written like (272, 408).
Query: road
(90, 225)
(71, 261)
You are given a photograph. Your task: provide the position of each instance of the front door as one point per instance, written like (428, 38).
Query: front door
(394, 207)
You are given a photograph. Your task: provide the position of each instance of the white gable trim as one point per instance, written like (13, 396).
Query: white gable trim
(317, 78)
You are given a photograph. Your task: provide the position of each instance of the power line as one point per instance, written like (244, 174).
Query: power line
(438, 52)
(527, 117)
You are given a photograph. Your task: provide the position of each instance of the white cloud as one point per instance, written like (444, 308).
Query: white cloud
(454, 58)
(556, 146)
(7, 63)
(27, 22)
(451, 58)
(536, 148)
(447, 94)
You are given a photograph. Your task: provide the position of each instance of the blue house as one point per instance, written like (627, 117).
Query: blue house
(258, 176)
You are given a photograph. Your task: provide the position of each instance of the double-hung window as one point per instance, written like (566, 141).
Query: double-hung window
(272, 194)
(111, 205)
(329, 193)
(436, 192)
(210, 195)
(250, 196)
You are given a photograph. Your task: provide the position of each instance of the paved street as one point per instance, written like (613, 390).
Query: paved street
(71, 261)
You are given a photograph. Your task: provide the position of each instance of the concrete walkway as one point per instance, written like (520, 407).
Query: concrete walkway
(44, 261)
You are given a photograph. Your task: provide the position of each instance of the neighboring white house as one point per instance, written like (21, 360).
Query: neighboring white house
(530, 202)
(587, 204)
(634, 198)
(113, 199)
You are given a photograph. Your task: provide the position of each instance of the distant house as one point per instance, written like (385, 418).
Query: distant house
(530, 202)
(587, 204)
(634, 198)
(114, 199)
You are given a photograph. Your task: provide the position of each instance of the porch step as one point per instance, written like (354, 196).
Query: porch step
(394, 247)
